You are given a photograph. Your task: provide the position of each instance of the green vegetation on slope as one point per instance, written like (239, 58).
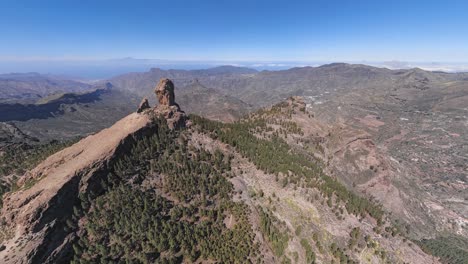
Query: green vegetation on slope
(310, 255)
(269, 226)
(450, 249)
(165, 202)
(276, 156)
(16, 160)
(19, 159)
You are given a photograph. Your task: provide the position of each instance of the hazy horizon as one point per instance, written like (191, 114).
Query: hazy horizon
(83, 38)
(106, 68)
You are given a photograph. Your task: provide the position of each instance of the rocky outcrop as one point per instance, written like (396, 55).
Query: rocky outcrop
(165, 92)
(35, 216)
(143, 105)
(167, 107)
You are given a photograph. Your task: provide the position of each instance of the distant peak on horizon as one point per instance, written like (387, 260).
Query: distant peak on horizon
(104, 69)
(216, 69)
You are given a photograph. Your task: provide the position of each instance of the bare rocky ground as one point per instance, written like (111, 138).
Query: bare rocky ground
(406, 148)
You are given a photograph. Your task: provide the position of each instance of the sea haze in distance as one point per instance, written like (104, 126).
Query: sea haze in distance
(93, 69)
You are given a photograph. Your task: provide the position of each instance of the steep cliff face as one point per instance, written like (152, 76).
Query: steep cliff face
(165, 92)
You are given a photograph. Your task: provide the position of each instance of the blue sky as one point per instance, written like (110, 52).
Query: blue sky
(236, 30)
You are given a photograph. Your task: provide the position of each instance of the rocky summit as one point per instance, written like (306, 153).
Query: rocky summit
(165, 92)
(167, 107)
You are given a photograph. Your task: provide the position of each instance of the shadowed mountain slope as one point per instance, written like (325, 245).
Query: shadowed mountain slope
(70, 115)
(29, 87)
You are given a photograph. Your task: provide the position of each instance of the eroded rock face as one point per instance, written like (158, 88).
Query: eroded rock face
(143, 105)
(175, 118)
(165, 92)
(167, 107)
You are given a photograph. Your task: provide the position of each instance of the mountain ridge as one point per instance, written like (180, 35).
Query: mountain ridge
(38, 210)
(28, 87)
(144, 156)
(200, 100)
(394, 136)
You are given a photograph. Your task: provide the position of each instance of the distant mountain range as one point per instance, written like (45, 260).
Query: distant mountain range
(212, 103)
(94, 69)
(223, 93)
(28, 87)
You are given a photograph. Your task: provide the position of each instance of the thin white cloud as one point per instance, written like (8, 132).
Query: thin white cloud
(428, 66)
